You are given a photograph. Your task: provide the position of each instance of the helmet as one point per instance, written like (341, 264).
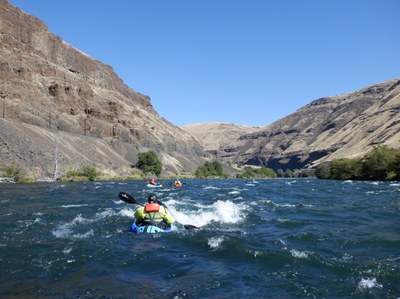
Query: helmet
(152, 198)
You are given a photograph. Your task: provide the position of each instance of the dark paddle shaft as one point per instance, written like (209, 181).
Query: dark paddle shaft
(129, 199)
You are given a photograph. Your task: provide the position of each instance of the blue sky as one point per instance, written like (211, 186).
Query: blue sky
(247, 62)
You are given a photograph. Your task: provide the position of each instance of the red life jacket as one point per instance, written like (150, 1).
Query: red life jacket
(152, 207)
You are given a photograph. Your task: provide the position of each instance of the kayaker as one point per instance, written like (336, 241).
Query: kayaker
(177, 183)
(154, 214)
(153, 181)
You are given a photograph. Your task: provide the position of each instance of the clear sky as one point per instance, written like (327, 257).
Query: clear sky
(247, 62)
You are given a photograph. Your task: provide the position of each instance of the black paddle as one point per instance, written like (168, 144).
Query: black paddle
(129, 199)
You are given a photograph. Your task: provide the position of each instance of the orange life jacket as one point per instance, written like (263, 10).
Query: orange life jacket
(152, 207)
(152, 215)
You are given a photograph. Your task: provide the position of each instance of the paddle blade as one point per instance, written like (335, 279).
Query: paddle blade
(126, 197)
(189, 226)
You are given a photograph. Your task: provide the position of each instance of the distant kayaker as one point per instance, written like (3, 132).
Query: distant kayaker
(177, 183)
(153, 181)
(154, 213)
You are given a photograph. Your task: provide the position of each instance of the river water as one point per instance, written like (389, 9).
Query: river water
(282, 238)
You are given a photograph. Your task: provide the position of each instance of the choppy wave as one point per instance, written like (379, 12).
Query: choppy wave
(278, 239)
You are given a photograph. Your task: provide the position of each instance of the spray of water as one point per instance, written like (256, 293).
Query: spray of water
(200, 215)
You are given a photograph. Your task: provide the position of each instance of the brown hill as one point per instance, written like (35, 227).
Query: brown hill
(61, 109)
(53, 96)
(216, 135)
(328, 128)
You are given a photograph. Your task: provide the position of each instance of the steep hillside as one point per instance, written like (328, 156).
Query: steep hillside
(328, 128)
(216, 135)
(45, 82)
(61, 107)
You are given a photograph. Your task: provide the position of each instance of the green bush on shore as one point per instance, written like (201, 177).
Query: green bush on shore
(210, 169)
(15, 174)
(86, 173)
(148, 162)
(263, 172)
(382, 164)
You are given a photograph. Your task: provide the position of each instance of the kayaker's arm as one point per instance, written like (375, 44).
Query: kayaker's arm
(167, 217)
(139, 213)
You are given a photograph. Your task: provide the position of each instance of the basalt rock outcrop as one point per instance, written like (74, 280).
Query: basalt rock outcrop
(58, 102)
(61, 109)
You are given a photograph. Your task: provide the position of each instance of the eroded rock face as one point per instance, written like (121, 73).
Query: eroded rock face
(57, 103)
(328, 128)
(47, 83)
(344, 126)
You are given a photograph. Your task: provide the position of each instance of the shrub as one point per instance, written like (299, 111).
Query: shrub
(322, 171)
(376, 165)
(382, 163)
(250, 172)
(345, 169)
(90, 172)
(13, 172)
(148, 162)
(210, 169)
(395, 167)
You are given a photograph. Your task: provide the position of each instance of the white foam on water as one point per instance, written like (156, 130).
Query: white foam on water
(127, 212)
(220, 211)
(215, 242)
(74, 206)
(283, 220)
(66, 230)
(257, 253)
(39, 220)
(368, 283)
(285, 205)
(118, 202)
(299, 254)
(67, 250)
(211, 187)
(63, 231)
(84, 236)
(234, 192)
(104, 214)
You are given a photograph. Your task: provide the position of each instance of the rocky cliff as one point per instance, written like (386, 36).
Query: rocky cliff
(55, 98)
(328, 128)
(61, 109)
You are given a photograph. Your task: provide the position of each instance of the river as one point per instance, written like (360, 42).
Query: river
(282, 238)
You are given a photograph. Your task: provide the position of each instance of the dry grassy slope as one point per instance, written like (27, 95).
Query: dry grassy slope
(215, 135)
(328, 128)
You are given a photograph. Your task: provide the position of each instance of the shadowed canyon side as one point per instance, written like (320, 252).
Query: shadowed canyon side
(56, 100)
(344, 126)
